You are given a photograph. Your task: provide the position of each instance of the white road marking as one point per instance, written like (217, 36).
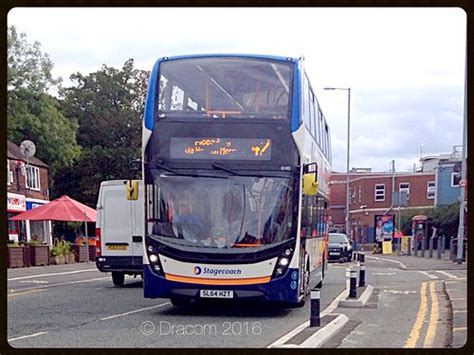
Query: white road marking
(26, 336)
(35, 281)
(433, 277)
(399, 292)
(58, 284)
(135, 311)
(384, 273)
(402, 265)
(53, 274)
(279, 342)
(451, 276)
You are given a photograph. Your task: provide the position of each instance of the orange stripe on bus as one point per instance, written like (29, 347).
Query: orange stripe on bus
(205, 281)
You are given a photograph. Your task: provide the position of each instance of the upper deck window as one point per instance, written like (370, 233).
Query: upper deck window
(225, 87)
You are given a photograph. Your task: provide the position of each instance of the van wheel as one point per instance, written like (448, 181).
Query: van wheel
(118, 278)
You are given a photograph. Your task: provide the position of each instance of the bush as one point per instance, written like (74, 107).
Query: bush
(61, 248)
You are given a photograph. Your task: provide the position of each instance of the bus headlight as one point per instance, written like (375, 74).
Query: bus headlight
(284, 261)
(153, 258)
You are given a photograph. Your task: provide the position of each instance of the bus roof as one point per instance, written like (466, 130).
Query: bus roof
(222, 55)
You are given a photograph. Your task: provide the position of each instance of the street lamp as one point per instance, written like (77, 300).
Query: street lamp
(348, 146)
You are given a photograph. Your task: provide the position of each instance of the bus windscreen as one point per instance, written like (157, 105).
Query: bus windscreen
(225, 87)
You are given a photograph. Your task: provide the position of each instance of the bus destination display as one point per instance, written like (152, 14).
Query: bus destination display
(220, 148)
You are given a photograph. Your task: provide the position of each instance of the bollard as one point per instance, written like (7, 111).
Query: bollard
(353, 285)
(415, 246)
(438, 250)
(362, 257)
(362, 275)
(431, 247)
(443, 244)
(423, 246)
(315, 319)
(451, 248)
(409, 247)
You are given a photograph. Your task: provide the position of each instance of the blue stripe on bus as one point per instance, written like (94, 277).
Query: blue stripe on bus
(295, 110)
(151, 97)
(276, 290)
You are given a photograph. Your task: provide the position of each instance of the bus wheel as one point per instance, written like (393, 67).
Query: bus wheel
(118, 278)
(180, 301)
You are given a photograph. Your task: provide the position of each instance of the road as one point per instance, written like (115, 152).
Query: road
(76, 306)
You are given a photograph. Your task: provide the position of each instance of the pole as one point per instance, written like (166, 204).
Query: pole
(348, 156)
(463, 171)
(353, 284)
(87, 237)
(315, 319)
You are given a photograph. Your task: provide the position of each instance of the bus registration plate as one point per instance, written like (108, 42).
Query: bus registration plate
(217, 294)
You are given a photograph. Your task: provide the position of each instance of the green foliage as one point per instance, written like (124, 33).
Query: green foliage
(13, 245)
(33, 113)
(445, 219)
(108, 106)
(61, 248)
(28, 67)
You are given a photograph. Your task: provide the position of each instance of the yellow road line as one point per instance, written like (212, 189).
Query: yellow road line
(22, 293)
(415, 332)
(431, 332)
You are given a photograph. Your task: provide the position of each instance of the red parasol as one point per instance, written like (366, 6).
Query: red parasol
(61, 209)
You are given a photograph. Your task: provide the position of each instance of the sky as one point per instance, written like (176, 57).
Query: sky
(405, 66)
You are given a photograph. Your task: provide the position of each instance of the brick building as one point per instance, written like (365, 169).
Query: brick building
(27, 188)
(371, 194)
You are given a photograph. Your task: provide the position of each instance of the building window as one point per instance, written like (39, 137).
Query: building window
(9, 174)
(32, 178)
(455, 179)
(431, 189)
(379, 192)
(405, 187)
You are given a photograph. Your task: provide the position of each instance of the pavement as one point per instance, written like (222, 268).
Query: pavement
(455, 287)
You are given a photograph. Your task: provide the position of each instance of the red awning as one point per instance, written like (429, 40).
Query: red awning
(61, 209)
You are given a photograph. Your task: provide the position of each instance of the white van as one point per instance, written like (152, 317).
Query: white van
(119, 231)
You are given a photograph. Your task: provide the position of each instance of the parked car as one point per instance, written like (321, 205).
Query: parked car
(339, 247)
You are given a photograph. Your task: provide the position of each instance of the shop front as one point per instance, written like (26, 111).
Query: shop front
(16, 204)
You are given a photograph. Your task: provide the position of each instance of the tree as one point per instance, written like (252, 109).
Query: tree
(108, 106)
(445, 219)
(28, 67)
(32, 113)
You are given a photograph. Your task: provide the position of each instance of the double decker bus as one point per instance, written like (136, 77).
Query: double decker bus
(236, 163)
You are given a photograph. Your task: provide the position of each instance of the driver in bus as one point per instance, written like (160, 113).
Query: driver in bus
(189, 224)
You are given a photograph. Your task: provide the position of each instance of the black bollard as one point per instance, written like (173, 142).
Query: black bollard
(431, 247)
(416, 242)
(353, 285)
(451, 248)
(439, 248)
(423, 246)
(409, 247)
(315, 319)
(362, 257)
(362, 275)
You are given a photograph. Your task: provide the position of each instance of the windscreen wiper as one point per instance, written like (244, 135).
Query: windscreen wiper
(160, 165)
(220, 167)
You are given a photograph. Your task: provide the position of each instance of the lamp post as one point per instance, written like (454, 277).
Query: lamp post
(348, 149)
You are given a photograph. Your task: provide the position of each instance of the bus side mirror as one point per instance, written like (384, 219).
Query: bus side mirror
(132, 190)
(310, 179)
(134, 166)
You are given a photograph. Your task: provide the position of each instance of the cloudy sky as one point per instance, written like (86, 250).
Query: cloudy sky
(405, 66)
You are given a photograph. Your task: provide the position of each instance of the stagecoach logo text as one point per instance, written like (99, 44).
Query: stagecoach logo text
(214, 272)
